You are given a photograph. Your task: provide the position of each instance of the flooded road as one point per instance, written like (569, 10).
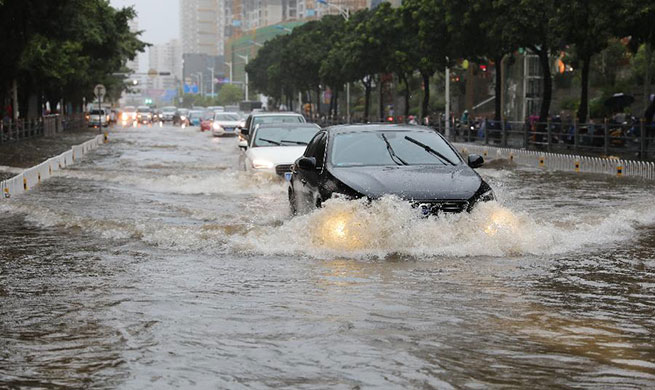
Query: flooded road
(155, 263)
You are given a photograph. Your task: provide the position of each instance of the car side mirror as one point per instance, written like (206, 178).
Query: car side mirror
(243, 131)
(475, 161)
(307, 163)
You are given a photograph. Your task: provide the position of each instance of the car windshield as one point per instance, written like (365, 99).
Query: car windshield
(97, 112)
(144, 109)
(277, 119)
(226, 117)
(130, 109)
(284, 136)
(381, 148)
(168, 109)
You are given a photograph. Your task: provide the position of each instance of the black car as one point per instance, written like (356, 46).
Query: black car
(412, 162)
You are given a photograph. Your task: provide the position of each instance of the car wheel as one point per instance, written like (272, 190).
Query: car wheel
(292, 202)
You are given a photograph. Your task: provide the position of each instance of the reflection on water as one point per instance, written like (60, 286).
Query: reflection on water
(156, 264)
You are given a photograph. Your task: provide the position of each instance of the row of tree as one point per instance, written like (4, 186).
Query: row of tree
(426, 36)
(57, 51)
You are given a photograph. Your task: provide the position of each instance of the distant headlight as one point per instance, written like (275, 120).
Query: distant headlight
(183, 117)
(262, 164)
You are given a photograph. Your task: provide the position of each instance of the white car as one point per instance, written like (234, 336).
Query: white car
(258, 118)
(225, 123)
(274, 147)
(98, 117)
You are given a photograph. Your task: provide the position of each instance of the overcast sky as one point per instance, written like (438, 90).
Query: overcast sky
(159, 20)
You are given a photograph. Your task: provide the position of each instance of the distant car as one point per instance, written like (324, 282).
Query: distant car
(206, 120)
(195, 117)
(369, 161)
(181, 117)
(129, 115)
(144, 115)
(216, 108)
(168, 113)
(274, 147)
(98, 117)
(255, 119)
(225, 123)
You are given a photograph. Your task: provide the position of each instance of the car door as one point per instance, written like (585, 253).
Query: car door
(310, 180)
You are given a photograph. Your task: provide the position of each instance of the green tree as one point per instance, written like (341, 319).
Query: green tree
(430, 43)
(229, 94)
(588, 25)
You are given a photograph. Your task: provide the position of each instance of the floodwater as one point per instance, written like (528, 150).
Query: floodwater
(155, 263)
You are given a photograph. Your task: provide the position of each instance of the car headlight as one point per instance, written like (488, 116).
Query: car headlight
(216, 126)
(183, 117)
(262, 164)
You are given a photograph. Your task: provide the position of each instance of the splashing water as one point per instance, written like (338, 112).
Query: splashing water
(391, 226)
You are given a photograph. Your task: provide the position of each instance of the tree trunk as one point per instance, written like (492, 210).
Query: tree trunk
(583, 111)
(426, 95)
(647, 77)
(14, 99)
(544, 61)
(381, 99)
(318, 101)
(367, 98)
(406, 82)
(498, 90)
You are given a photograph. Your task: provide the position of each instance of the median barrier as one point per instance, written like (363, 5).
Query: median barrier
(565, 162)
(34, 176)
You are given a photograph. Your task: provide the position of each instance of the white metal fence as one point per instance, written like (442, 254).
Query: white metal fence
(564, 162)
(34, 176)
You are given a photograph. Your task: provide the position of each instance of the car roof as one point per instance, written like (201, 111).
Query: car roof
(264, 113)
(371, 127)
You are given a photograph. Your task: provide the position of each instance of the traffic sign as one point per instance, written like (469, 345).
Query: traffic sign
(99, 91)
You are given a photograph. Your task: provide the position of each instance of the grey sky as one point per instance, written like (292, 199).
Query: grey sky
(158, 18)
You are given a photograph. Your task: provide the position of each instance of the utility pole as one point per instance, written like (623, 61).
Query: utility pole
(229, 64)
(212, 70)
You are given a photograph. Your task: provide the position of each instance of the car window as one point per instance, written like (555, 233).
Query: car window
(248, 122)
(313, 144)
(379, 148)
(284, 136)
(277, 119)
(316, 148)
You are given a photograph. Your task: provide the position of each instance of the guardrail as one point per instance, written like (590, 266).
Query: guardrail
(633, 141)
(48, 126)
(564, 162)
(32, 177)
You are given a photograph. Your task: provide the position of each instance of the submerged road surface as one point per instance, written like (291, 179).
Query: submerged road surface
(155, 263)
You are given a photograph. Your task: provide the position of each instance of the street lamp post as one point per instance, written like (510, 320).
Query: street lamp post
(202, 83)
(245, 58)
(346, 15)
(229, 64)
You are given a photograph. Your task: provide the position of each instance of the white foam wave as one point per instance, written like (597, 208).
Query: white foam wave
(391, 226)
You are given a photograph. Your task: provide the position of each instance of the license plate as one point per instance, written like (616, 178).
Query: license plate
(287, 176)
(229, 128)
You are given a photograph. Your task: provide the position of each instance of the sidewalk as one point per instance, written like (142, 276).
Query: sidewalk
(31, 152)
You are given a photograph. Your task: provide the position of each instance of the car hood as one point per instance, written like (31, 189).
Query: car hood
(278, 155)
(420, 182)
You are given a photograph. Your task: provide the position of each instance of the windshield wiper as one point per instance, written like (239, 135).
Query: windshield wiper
(294, 142)
(269, 141)
(393, 154)
(430, 150)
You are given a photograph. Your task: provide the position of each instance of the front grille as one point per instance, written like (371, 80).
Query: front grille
(282, 169)
(446, 206)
